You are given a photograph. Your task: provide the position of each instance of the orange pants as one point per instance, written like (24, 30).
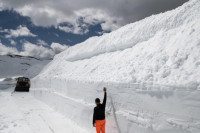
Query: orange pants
(100, 126)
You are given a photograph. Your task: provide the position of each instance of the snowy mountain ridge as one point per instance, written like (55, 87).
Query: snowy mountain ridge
(17, 65)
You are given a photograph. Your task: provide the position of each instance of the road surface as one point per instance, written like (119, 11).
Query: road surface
(22, 113)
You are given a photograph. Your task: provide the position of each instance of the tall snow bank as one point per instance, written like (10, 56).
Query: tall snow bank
(136, 33)
(162, 49)
(151, 69)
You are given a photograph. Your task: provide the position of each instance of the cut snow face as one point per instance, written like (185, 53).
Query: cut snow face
(151, 69)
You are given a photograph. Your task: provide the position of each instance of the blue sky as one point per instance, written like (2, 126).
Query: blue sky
(43, 28)
(13, 20)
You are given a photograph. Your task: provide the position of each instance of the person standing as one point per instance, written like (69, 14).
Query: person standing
(99, 114)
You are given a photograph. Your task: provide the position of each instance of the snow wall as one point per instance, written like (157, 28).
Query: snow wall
(151, 69)
(130, 108)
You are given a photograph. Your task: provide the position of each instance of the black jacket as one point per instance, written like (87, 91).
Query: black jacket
(99, 110)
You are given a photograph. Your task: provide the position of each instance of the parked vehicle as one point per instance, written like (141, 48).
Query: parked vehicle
(23, 84)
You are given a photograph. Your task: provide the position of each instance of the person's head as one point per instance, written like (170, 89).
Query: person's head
(97, 101)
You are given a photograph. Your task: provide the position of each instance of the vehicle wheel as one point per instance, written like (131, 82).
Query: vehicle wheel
(16, 89)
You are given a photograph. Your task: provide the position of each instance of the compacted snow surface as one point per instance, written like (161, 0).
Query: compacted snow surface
(22, 113)
(151, 69)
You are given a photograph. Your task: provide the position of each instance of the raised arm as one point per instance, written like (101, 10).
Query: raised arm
(94, 118)
(105, 96)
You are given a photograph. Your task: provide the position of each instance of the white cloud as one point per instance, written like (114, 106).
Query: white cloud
(12, 42)
(42, 42)
(1, 6)
(30, 49)
(4, 50)
(20, 31)
(3, 30)
(112, 14)
(75, 29)
(57, 48)
(107, 22)
(93, 16)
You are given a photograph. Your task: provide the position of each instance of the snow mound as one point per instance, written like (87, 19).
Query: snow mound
(162, 49)
(151, 69)
(136, 33)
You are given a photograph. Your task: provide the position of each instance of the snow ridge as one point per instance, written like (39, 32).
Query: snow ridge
(133, 34)
(161, 49)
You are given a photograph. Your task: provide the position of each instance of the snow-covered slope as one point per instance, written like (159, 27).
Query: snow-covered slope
(15, 65)
(161, 49)
(151, 69)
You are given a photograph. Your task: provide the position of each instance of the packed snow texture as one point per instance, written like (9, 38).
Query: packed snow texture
(151, 69)
(22, 113)
(13, 66)
(161, 49)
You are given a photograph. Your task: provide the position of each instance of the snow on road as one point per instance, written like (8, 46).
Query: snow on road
(11, 120)
(22, 113)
